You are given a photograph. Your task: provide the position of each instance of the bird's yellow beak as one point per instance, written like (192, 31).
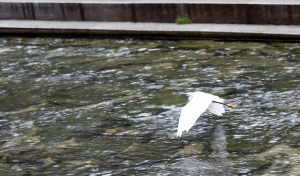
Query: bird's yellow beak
(231, 106)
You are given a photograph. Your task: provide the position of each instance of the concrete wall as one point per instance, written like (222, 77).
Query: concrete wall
(166, 13)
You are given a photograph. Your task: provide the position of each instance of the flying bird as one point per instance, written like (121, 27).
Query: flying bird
(198, 103)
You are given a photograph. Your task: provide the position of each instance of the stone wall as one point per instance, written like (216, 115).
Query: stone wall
(242, 13)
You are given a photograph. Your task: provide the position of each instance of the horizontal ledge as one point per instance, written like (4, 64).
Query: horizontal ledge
(165, 29)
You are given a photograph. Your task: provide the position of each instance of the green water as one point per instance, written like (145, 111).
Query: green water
(79, 106)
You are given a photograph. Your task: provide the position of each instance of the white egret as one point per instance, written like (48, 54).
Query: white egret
(198, 103)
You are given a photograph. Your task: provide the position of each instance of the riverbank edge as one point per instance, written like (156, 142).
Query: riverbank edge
(120, 29)
(274, 19)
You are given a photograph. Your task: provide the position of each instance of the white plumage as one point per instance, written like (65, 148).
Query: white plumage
(198, 103)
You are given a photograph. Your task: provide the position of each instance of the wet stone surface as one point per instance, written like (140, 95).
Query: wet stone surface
(80, 106)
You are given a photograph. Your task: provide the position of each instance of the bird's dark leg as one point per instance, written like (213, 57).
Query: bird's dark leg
(228, 105)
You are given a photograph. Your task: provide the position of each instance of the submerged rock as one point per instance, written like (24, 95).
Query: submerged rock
(284, 159)
(191, 149)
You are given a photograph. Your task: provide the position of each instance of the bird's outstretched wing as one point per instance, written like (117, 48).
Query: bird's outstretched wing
(217, 108)
(190, 113)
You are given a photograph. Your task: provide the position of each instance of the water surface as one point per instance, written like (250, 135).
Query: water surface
(83, 106)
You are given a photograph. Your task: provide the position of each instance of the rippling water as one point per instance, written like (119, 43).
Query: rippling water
(80, 106)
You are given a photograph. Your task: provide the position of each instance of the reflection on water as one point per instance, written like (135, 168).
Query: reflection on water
(83, 106)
